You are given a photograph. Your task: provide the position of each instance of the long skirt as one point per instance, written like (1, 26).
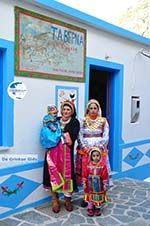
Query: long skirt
(57, 169)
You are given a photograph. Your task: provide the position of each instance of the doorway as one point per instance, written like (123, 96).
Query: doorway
(98, 89)
(99, 86)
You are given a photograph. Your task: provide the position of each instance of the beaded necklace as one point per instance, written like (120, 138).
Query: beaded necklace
(92, 124)
(63, 123)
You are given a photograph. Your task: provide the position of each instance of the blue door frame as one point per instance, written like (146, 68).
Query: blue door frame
(116, 102)
(6, 103)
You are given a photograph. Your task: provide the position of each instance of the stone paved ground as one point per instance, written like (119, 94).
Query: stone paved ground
(129, 204)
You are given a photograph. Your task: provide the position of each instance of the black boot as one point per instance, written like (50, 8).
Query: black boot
(83, 203)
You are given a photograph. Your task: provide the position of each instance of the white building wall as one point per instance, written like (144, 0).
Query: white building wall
(28, 113)
(7, 20)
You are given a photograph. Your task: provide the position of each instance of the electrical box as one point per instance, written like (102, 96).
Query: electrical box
(135, 109)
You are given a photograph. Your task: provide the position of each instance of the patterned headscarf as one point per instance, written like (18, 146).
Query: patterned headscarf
(69, 104)
(93, 101)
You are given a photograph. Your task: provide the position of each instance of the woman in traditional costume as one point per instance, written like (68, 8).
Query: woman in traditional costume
(59, 160)
(94, 131)
(95, 181)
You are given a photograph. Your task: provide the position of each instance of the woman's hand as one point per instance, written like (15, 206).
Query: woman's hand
(68, 138)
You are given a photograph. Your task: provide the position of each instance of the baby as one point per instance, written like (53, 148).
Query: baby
(51, 131)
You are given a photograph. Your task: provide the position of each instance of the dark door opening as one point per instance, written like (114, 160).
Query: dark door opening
(98, 88)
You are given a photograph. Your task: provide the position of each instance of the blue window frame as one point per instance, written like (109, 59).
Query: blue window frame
(6, 103)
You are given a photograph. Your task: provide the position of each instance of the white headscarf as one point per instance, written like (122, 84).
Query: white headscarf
(93, 101)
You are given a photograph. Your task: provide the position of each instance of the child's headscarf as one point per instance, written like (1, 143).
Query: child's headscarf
(98, 149)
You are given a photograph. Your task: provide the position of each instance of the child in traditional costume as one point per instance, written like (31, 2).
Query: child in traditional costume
(95, 181)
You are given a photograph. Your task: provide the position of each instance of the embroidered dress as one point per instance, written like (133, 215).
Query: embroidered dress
(95, 177)
(92, 133)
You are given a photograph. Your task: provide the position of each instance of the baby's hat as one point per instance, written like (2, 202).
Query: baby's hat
(52, 109)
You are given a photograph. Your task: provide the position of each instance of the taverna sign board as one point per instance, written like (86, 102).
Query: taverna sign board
(48, 48)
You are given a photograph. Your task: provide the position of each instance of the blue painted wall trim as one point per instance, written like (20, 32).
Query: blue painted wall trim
(20, 168)
(38, 203)
(7, 76)
(93, 21)
(139, 173)
(116, 103)
(135, 143)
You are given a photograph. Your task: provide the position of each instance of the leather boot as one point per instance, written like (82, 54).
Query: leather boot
(55, 202)
(68, 204)
(83, 203)
(97, 212)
